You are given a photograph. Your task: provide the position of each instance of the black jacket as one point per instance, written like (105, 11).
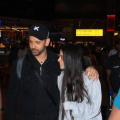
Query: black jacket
(34, 103)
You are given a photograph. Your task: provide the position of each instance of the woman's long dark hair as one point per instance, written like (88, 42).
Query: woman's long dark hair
(73, 82)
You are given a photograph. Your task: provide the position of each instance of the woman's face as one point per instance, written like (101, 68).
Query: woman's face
(60, 60)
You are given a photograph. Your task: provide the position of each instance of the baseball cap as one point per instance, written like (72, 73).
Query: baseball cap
(39, 31)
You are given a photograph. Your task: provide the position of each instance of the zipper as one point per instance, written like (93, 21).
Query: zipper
(40, 70)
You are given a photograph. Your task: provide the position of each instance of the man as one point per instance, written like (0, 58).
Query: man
(23, 49)
(114, 50)
(113, 71)
(34, 103)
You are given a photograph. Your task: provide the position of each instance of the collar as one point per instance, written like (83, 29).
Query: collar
(32, 61)
(51, 56)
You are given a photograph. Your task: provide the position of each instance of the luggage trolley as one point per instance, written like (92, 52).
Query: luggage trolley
(109, 109)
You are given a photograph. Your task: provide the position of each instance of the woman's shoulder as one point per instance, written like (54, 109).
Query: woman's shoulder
(59, 81)
(61, 74)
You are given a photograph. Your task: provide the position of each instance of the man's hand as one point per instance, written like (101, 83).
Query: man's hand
(93, 73)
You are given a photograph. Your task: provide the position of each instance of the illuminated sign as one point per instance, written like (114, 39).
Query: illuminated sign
(110, 23)
(89, 32)
(62, 39)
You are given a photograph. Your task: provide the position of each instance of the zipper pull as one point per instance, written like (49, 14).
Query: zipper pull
(40, 70)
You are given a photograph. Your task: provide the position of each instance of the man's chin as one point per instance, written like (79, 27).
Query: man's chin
(35, 54)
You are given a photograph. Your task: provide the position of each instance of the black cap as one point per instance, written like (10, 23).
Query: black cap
(39, 31)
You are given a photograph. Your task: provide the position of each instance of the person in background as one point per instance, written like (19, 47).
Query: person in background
(86, 60)
(115, 113)
(80, 97)
(104, 83)
(23, 49)
(113, 71)
(88, 53)
(34, 104)
(114, 50)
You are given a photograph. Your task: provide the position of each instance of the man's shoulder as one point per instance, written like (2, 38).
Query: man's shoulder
(52, 55)
(113, 57)
(53, 60)
(113, 50)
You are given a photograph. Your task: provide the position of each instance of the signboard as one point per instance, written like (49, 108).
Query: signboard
(89, 32)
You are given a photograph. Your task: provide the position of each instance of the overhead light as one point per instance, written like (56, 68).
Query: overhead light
(116, 33)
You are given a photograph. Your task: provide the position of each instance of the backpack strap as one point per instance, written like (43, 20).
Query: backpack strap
(44, 85)
(19, 66)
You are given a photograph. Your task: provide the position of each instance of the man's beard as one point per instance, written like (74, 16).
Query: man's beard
(38, 52)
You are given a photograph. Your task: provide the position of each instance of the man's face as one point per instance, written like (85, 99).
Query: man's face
(37, 46)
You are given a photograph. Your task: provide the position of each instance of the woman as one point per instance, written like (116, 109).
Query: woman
(115, 114)
(80, 97)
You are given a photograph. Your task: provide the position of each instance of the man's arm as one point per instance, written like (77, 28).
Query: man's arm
(93, 73)
(109, 82)
(108, 78)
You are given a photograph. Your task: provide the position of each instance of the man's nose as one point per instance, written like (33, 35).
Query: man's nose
(59, 59)
(33, 45)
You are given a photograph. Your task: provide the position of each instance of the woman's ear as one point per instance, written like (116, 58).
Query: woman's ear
(47, 42)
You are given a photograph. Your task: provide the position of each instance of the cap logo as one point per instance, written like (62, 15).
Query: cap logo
(48, 35)
(36, 28)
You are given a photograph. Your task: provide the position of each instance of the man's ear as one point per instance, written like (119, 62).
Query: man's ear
(47, 42)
